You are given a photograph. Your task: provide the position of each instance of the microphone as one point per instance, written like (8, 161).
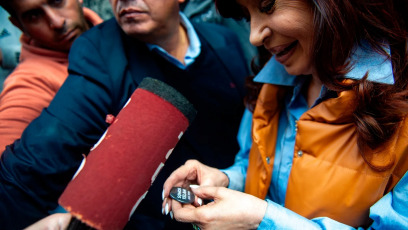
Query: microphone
(117, 173)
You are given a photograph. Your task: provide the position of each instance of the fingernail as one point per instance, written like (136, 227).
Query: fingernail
(171, 214)
(194, 185)
(163, 195)
(200, 201)
(167, 209)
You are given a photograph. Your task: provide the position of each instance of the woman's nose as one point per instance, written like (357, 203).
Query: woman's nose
(259, 31)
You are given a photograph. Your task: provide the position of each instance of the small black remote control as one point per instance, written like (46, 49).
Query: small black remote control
(182, 195)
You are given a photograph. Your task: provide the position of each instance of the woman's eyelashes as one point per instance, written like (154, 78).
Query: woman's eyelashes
(266, 6)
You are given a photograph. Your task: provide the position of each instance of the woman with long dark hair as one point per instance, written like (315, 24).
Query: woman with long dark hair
(326, 145)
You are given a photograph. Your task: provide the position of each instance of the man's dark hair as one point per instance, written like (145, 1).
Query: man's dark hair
(6, 4)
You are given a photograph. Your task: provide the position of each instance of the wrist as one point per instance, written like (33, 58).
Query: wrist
(225, 180)
(259, 214)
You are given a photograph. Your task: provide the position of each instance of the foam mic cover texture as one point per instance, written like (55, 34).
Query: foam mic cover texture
(116, 174)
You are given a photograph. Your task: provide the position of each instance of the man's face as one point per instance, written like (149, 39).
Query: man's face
(147, 20)
(52, 24)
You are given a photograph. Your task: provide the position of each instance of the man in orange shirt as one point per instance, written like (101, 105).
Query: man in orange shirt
(49, 29)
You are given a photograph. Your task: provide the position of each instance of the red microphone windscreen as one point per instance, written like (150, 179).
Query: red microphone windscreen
(120, 168)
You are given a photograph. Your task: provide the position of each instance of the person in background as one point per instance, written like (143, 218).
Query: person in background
(147, 38)
(327, 143)
(9, 46)
(205, 11)
(48, 32)
(101, 7)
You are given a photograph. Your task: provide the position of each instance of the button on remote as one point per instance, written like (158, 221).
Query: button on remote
(182, 195)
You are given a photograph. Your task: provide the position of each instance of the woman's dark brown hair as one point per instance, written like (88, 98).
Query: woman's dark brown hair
(379, 108)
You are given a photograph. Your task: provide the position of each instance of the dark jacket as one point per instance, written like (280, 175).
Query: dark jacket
(105, 68)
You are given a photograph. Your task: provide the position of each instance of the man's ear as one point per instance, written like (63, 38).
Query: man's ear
(16, 23)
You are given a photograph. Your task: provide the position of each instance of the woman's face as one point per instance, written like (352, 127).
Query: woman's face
(285, 29)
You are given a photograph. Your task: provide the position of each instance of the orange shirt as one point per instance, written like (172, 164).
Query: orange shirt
(32, 85)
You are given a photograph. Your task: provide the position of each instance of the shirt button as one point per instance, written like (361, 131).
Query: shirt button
(300, 153)
(268, 160)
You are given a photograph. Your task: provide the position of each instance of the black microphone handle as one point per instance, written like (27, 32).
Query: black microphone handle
(76, 224)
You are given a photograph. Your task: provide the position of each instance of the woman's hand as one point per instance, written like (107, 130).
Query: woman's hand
(192, 173)
(230, 209)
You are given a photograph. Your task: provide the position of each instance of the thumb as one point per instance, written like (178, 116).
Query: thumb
(209, 192)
